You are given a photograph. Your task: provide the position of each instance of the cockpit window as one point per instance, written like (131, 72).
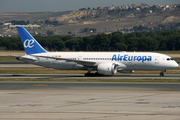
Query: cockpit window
(169, 59)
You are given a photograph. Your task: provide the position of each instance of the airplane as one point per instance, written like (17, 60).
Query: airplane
(104, 63)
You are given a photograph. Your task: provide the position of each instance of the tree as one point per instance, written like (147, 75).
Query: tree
(135, 28)
(133, 4)
(65, 38)
(117, 37)
(87, 43)
(82, 9)
(60, 45)
(52, 22)
(72, 44)
(101, 42)
(129, 35)
(142, 46)
(120, 46)
(21, 22)
(178, 42)
(44, 41)
(50, 32)
(69, 32)
(139, 34)
(148, 43)
(142, 41)
(132, 43)
(98, 8)
(162, 42)
(173, 41)
(144, 4)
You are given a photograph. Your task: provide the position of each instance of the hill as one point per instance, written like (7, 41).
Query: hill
(103, 20)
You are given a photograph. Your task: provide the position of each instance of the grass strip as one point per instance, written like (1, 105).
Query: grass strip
(39, 71)
(8, 59)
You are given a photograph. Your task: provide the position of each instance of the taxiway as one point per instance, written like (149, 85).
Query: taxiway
(105, 86)
(92, 101)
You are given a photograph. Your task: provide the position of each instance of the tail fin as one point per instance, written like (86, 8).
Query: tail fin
(31, 46)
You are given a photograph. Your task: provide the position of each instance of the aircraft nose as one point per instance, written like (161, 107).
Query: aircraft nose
(176, 64)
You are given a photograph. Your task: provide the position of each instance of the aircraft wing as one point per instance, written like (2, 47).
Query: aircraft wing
(82, 62)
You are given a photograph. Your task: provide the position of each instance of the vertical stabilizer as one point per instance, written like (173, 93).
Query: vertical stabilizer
(31, 46)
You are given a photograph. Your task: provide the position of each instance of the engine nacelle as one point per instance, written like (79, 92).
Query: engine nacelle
(107, 68)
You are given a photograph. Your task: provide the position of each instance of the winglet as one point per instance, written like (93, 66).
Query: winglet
(31, 46)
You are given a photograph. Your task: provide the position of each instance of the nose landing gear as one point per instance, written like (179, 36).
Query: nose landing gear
(162, 72)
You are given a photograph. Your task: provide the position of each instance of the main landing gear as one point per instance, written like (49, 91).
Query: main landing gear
(89, 74)
(162, 73)
(92, 74)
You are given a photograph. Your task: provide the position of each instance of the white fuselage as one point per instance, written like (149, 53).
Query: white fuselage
(130, 60)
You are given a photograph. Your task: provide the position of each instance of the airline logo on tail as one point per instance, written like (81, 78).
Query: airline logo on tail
(28, 43)
(31, 46)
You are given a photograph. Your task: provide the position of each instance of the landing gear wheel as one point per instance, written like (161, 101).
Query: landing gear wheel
(161, 74)
(88, 74)
(92, 74)
(96, 73)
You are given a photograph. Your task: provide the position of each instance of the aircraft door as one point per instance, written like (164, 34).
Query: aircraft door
(79, 58)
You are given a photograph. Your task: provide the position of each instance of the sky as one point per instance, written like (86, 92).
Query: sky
(68, 5)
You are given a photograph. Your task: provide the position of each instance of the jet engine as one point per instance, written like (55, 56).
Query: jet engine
(107, 68)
